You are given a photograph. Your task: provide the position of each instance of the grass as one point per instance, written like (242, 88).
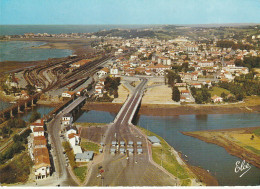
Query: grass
(164, 155)
(89, 146)
(69, 153)
(253, 149)
(89, 124)
(81, 172)
(252, 100)
(257, 132)
(217, 91)
(18, 170)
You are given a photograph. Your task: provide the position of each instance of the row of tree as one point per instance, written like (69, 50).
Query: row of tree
(233, 45)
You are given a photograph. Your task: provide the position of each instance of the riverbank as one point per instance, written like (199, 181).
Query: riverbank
(251, 105)
(241, 142)
(173, 162)
(78, 46)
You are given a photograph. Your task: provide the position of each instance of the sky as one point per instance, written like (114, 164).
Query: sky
(77, 12)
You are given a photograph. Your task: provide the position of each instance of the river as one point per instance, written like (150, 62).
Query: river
(199, 153)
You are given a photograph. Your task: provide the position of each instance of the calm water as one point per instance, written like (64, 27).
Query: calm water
(4, 105)
(208, 156)
(57, 29)
(22, 51)
(96, 117)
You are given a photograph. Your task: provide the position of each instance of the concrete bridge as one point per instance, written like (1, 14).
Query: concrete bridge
(20, 106)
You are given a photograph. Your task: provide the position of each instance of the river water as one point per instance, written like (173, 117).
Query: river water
(22, 51)
(208, 156)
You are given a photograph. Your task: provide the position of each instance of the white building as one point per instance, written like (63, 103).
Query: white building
(67, 119)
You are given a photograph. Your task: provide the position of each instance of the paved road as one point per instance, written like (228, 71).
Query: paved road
(59, 159)
(128, 169)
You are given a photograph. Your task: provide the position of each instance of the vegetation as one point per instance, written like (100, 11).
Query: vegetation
(70, 154)
(233, 45)
(111, 85)
(16, 148)
(164, 155)
(35, 115)
(17, 170)
(183, 68)
(89, 124)
(218, 91)
(257, 132)
(81, 172)
(8, 127)
(201, 96)
(250, 62)
(89, 146)
(176, 94)
(30, 89)
(172, 77)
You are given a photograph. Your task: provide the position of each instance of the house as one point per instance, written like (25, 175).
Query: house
(103, 72)
(38, 131)
(84, 157)
(67, 94)
(196, 85)
(79, 63)
(76, 150)
(185, 92)
(154, 140)
(67, 119)
(41, 163)
(70, 130)
(37, 123)
(74, 139)
(39, 142)
(216, 98)
(206, 64)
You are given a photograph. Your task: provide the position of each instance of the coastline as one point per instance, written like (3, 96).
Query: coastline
(231, 147)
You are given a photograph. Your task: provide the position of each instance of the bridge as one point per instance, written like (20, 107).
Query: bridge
(20, 106)
(124, 168)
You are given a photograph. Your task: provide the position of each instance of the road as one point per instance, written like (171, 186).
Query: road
(128, 169)
(59, 159)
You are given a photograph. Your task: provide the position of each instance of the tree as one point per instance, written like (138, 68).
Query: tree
(35, 115)
(17, 138)
(205, 95)
(223, 95)
(175, 94)
(30, 89)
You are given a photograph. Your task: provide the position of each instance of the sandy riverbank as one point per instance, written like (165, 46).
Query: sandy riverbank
(173, 110)
(236, 142)
(78, 46)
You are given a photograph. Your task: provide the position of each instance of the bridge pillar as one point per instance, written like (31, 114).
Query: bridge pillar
(19, 109)
(11, 113)
(33, 103)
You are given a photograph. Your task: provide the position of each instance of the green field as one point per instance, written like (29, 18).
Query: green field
(81, 172)
(163, 155)
(89, 146)
(217, 91)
